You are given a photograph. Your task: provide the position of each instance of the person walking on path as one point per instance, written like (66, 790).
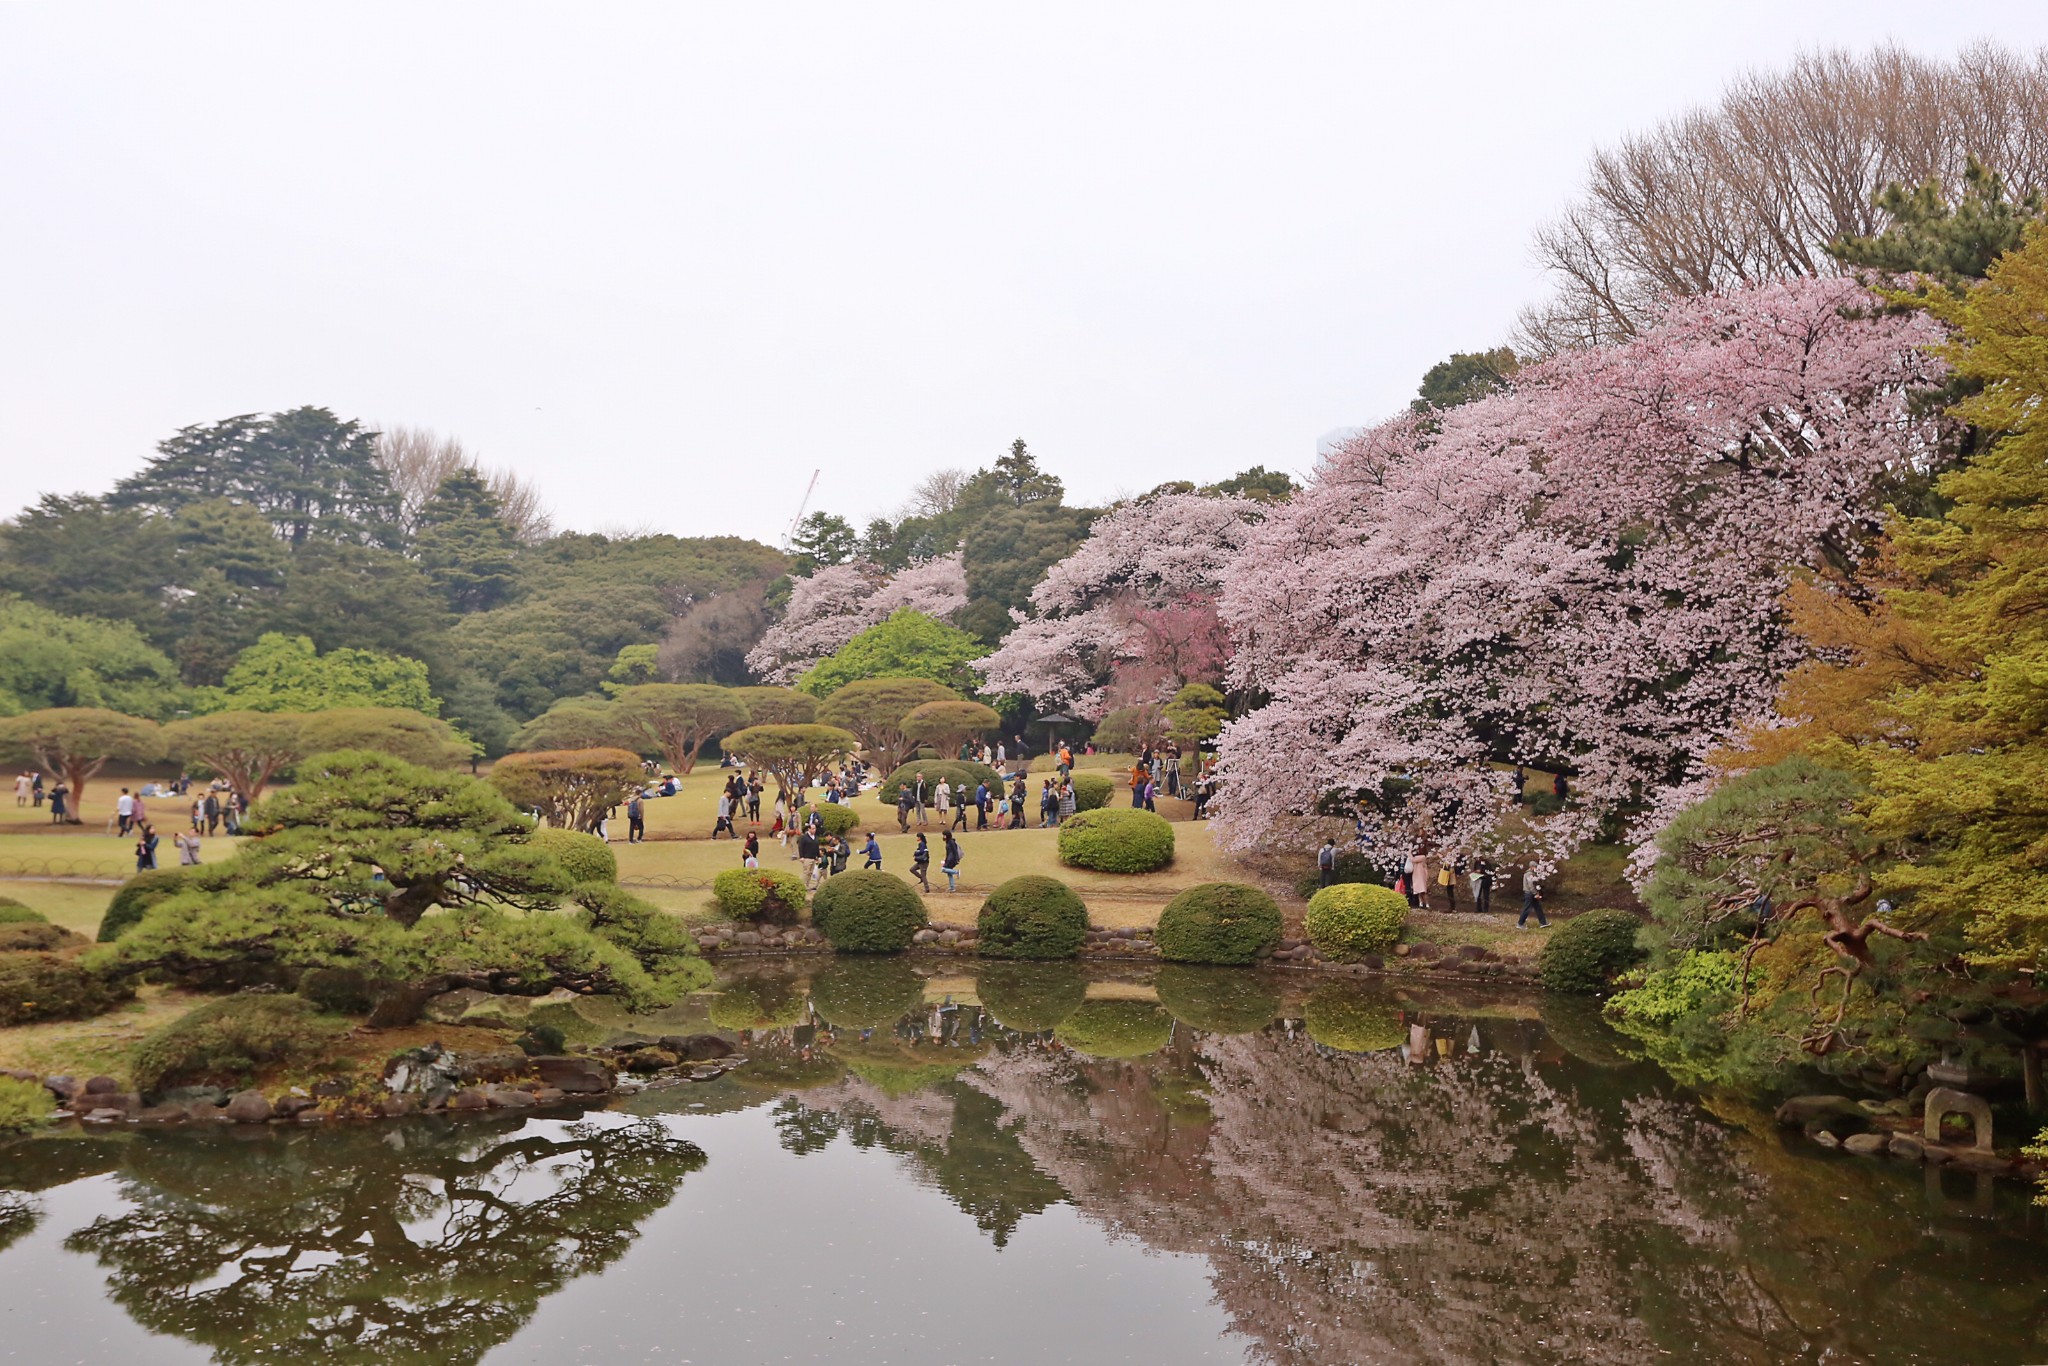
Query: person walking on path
(959, 809)
(212, 812)
(921, 862)
(981, 805)
(942, 797)
(1482, 887)
(23, 786)
(124, 807)
(807, 857)
(1326, 863)
(903, 807)
(952, 863)
(750, 852)
(1532, 900)
(1447, 878)
(1418, 880)
(636, 820)
(145, 847)
(873, 852)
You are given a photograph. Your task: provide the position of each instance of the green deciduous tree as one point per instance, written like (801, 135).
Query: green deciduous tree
(245, 747)
(74, 743)
(680, 719)
(573, 789)
(796, 755)
(875, 709)
(946, 726)
(50, 660)
(908, 644)
(286, 673)
(400, 732)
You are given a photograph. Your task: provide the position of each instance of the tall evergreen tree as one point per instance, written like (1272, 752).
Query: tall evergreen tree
(465, 545)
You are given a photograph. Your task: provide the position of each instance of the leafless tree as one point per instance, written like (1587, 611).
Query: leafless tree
(418, 459)
(708, 638)
(936, 493)
(1757, 186)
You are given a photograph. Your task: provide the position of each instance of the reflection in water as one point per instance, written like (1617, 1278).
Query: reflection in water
(426, 1241)
(1367, 1175)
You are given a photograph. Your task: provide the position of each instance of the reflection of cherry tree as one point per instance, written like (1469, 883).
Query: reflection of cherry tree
(19, 1213)
(431, 1241)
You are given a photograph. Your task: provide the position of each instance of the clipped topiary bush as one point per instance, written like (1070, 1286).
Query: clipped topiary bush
(38, 936)
(758, 1001)
(952, 770)
(1117, 840)
(834, 818)
(1116, 1029)
(1030, 997)
(137, 895)
(760, 894)
(1217, 1000)
(1587, 952)
(1218, 922)
(866, 993)
(869, 912)
(224, 1042)
(1342, 1016)
(47, 986)
(586, 858)
(1352, 919)
(1092, 791)
(1033, 917)
(24, 1105)
(12, 912)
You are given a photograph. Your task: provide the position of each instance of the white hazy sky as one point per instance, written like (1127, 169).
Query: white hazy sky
(664, 259)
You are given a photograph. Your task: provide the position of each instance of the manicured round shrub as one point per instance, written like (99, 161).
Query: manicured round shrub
(224, 1042)
(1116, 1029)
(954, 771)
(1032, 917)
(869, 912)
(768, 894)
(47, 986)
(24, 1105)
(1218, 922)
(1352, 919)
(1217, 1000)
(834, 818)
(766, 1000)
(1030, 997)
(12, 912)
(137, 895)
(585, 858)
(1092, 791)
(866, 993)
(1344, 1017)
(37, 936)
(1585, 953)
(1117, 840)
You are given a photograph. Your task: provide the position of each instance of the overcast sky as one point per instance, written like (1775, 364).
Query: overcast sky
(666, 259)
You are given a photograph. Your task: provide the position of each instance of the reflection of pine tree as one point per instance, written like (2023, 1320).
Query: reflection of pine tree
(18, 1215)
(432, 1241)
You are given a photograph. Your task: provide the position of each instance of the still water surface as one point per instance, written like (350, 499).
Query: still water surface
(1037, 1167)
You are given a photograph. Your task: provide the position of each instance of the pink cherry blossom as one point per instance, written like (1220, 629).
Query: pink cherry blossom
(835, 604)
(1581, 573)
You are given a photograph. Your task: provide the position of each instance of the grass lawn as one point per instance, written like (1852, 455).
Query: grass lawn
(74, 905)
(84, 1048)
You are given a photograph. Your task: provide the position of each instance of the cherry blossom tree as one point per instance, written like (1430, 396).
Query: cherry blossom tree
(835, 604)
(1581, 573)
(1130, 616)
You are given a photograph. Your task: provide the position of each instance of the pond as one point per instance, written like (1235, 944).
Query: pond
(1024, 1164)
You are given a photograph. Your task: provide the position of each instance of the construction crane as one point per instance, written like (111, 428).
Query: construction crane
(796, 522)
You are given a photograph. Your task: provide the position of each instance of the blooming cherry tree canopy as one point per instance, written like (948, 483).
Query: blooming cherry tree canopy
(1581, 573)
(832, 606)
